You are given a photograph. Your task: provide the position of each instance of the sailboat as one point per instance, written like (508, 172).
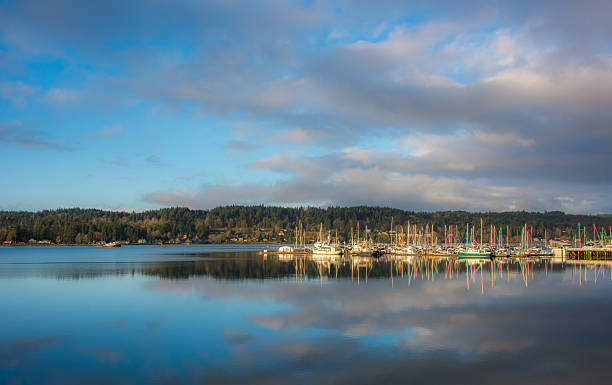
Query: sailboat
(359, 247)
(325, 248)
(472, 252)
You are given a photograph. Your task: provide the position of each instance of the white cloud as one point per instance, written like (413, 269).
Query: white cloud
(442, 177)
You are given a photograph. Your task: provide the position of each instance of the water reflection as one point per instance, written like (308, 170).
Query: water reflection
(251, 265)
(242, 317)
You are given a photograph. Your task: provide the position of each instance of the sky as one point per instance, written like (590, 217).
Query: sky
(418, 105)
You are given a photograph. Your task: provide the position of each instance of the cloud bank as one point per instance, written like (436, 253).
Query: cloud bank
(421, 105)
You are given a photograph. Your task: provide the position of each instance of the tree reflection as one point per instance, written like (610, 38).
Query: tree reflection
(252, 266)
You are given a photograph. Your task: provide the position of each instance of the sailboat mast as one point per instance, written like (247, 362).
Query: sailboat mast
(481, 233)
(408, 235)
(321, 232)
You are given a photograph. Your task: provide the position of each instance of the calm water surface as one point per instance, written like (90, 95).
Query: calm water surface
(225, 314)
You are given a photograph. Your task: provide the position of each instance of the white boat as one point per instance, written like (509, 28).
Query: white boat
(324, 248)
(360, 249)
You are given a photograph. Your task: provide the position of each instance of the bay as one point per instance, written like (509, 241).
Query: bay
(229, 314)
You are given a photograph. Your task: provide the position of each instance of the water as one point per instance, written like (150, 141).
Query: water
(225, 314)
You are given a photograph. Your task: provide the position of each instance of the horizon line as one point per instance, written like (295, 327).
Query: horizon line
(128, 210)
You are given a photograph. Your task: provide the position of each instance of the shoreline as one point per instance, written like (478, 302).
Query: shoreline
(142, 244)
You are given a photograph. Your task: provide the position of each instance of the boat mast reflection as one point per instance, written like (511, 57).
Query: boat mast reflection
(358, 269)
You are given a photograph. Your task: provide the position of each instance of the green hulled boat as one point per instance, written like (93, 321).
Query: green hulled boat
(474, 254)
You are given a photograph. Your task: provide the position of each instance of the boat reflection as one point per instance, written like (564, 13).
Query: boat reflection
(359, 269)
(474, 271)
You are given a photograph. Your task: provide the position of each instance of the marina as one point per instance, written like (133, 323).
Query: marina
(423, 241)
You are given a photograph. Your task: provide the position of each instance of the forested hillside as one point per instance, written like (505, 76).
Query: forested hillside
(262, 224)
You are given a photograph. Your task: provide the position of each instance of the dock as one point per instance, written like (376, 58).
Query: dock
(589, 254)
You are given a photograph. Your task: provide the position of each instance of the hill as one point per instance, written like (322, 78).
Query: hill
(264, 224)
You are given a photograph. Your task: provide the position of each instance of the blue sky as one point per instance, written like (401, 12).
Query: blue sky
(415, 105)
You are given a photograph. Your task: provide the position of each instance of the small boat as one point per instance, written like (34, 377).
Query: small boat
(110, 244)
(324, 248)
(408, 250)
(474, 254)
(359, 249)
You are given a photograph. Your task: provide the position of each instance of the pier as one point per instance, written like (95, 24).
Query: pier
(589, 253)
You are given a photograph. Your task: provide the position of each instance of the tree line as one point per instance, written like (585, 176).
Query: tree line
(265, 224)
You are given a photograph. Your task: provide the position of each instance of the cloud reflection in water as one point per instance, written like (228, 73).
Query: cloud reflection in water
(434, 331)
(240, 318)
